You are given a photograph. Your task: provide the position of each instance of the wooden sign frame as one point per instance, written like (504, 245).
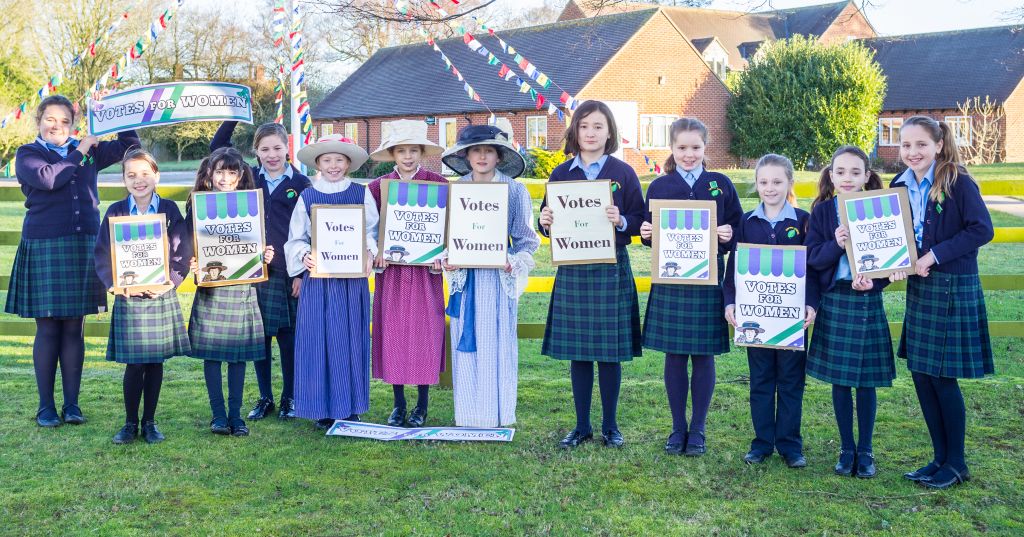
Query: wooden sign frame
(385, 188)
(453, 229)
(313, 219)
(263, 240)
(657, 205)
(907, 229)
(803, 305)
(160, 220)
(560, 219)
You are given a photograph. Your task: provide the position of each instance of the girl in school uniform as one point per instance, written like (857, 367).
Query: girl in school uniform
(945, 328)
(685, 321)
(146, 327)
(53, 279)
(484, 302)
(278, 296)
(594, 314)
(408, 301)
(777, 376)
(226, 325)
(851, 346)
(332, 338)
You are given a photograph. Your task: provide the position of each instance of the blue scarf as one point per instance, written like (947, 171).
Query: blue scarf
(467, 342)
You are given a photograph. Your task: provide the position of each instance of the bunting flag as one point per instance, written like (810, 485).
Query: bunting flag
(299, 101)
(280, 55)
(504, 71)
(450, 67)
(8, 169)
(118, 69)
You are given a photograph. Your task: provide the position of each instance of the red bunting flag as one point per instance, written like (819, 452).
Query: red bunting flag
(540, 101)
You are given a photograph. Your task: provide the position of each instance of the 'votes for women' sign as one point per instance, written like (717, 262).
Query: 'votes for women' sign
(478, 225)
(413, 217)
(770, 295)
(684, 242)
(229, 237)
(580, 232)
(881, 232)
(139, 253)
(338, 241)
(174, 102)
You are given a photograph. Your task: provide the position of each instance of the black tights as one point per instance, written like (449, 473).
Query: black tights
(142, 379)
(58, 342)
(422, 395)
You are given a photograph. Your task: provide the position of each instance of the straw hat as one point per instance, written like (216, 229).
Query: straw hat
(405, 132)
(510, 162)
(333, 143)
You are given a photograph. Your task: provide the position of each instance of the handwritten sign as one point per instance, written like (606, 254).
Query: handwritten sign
(229, 237)
(357, 429)
(770, 295)
(139, 253)
(173, 102)
(413, 217)
(478, 225)
(684, 242)
(338, 240)
(581, 232)
(881, 231)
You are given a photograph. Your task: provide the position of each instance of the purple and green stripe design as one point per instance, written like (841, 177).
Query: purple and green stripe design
(172, 93)
(767, 261)
(873, 208)
(128, 232)
(792, 336)
(221, 205)
(686, 219)
(418, 195)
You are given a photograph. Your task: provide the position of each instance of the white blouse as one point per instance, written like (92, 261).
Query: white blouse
(298, 244)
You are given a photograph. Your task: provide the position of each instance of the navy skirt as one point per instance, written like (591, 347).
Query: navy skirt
(56, 278)
(226, 324)
(147, 330)
(851, 344)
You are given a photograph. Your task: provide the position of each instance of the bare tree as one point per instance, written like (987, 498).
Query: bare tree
(385, 10)
(986, 121)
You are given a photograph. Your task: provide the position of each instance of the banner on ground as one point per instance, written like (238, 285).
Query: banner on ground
(580, 232)
(770, 296)
(173, 102)
(881, 231)
(478, 225)
(229, 237)
(387, 433)
(684, 242)
(139, 253)
(338, 241)
(413, 218)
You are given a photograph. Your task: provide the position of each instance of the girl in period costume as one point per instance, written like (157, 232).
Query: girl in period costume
(685, 321)
(945, 330)
(594, 314)
(408, 301)
(146, 327)
(54, 275)
(484, 303)
(278, 296)
(775, 374)
(225, 325)
(851, 346)
(332, 338)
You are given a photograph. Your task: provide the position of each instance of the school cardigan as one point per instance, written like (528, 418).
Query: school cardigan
(60, 192)
(178, 241)
(955, 227)
(710, 186)
(823, 252)
(627, 196)
(786, 232)
(277, 205)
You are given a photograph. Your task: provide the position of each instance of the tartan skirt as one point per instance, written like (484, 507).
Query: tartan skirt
(594, 314)
(277, 305)
(851, 344)
(226, 324)
(686, 319)
(56, 278)
(147, 330)
(945, 328)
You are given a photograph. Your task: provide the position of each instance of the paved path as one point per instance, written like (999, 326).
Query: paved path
(1006, 204)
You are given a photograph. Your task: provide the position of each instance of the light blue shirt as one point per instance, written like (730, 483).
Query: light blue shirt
(918, 194)
(690, 176)
(61, 150)
(787, 212)
(591, 171)
(133, 208)
(272, 183)
(843, 271)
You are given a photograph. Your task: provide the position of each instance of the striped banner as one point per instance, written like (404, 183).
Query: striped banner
(418, 195)
(211, 205)
(137, 232)
(164, 104)
(873, 208)
(685, 219)
(771, 262)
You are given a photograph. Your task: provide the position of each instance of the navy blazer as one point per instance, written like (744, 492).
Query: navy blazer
(823, 252)
(178, 239)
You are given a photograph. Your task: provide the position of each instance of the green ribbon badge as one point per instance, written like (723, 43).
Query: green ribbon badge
(942, 199)
(615, 186)
(715, 191)
(792, 232)
(290, 193)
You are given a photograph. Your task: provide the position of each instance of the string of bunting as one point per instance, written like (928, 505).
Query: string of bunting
(120, 67)
(278, 26)
(299, 97)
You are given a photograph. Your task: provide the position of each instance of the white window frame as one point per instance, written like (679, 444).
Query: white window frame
(962, 121)
(892, 128)
(442, 124)
(352, 132)
(648, 140)
(326, 129)
(536, 126)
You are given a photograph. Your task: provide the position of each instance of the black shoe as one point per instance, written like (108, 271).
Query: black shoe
(73, 415)
(613, 438)
(262, 409)
(795, 461)
(353, 417)
(417, 418)
(845, 465)
(674, 444)
(47, 417)
(574, 439)
(866, 465)
(397, 417)
(922, 474)
(287, 410)
(220, 426)
(324, 423)
(695, 445)
(946, 477)
(127, 434)
(755, 457)
(238, 428)
(151, 434)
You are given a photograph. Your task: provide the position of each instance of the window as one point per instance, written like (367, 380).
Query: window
(889, 131)
(326, 128)
(352, 132)
(537, 132)
(446, 137)
(654, 131)
(961, 126)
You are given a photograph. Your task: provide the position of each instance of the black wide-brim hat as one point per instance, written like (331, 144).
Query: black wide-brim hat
(214, 265)
(510, 162)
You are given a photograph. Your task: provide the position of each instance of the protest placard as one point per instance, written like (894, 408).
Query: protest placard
(684, 242)
(229, 237)
(338, 241)
(881, 232)
(139, 253)
(478, 225)
(173, 102)
(770, 295)
(413, 218)
(580, 232)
